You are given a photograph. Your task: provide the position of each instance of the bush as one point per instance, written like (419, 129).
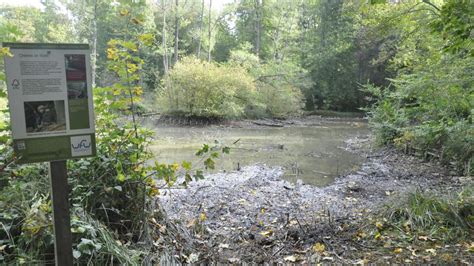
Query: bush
(429, 105)
(197, 88)
(280, 102)
(279, 85)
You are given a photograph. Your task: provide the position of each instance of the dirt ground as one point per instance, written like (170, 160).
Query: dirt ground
(252, 215)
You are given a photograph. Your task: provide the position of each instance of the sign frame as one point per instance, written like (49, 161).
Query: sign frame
(50, 101)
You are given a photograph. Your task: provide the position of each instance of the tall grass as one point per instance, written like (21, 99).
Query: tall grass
(442, 217)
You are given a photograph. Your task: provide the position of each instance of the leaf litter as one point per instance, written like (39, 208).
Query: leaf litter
(253, 215)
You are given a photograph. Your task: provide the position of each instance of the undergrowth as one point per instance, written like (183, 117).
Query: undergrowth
(444, 218)
(423, 227)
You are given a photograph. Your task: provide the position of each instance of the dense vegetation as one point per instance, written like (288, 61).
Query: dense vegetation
(409, 64)
(429, 104)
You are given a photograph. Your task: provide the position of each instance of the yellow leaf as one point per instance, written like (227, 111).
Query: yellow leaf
(470, 247)
(318, 247)
(6, 51)
(262, 210)
(138, 90)
(379, 225)
(175, 166)
(202, 216)
(153, 192)
(377, 236)
(397, 251)
(124, 12)
(266, 233)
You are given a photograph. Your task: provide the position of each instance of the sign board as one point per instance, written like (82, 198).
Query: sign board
(50, 100)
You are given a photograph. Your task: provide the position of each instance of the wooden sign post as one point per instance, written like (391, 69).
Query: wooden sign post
(61, 216)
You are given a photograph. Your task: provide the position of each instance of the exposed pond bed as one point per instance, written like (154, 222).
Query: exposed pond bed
(315, 153)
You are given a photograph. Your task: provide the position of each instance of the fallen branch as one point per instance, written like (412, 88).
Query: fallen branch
(267, 124)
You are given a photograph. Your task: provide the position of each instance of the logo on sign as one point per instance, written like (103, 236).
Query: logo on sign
(15, 84)
(81, 146)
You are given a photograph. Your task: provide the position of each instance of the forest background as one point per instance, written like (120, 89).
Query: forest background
(407, 64)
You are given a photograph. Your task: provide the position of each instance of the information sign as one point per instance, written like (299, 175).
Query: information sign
(50, 100)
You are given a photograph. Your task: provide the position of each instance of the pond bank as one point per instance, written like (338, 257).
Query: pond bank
(253, 215)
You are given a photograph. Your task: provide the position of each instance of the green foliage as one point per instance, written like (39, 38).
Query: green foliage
(456, 26)
(279, 88)
(332, 62)
(442, 218)
(35, 25)
(110, 192)
(429, 104)
(279, 84)
(197, 88)
(241, 88)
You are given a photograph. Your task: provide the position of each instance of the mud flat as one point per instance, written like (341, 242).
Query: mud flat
(254, 215)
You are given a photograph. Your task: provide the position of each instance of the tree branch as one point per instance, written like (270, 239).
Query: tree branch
(432, 5)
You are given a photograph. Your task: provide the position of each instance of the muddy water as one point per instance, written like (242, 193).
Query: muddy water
(313, 154)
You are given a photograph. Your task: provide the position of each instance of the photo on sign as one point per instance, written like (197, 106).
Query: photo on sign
(45, 116)
(76, 77)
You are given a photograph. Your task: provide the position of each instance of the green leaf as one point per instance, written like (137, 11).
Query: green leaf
(204, 149)
(226, 150)
(209, 163)
(199, 175)
(121, 177)
(186, 165)
(188, 178)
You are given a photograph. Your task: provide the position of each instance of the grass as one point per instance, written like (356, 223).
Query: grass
(446, 219)
(422, 227)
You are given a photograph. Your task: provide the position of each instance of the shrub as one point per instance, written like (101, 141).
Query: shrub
(197, 88)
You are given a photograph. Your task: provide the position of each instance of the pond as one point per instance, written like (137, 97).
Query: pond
(314, 154)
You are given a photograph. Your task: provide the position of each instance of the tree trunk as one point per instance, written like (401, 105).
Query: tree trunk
(176, 33)
(163, 39)
(209, 50)
(94, 46)
(165, 55)
(258, 26)
(198, 54)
